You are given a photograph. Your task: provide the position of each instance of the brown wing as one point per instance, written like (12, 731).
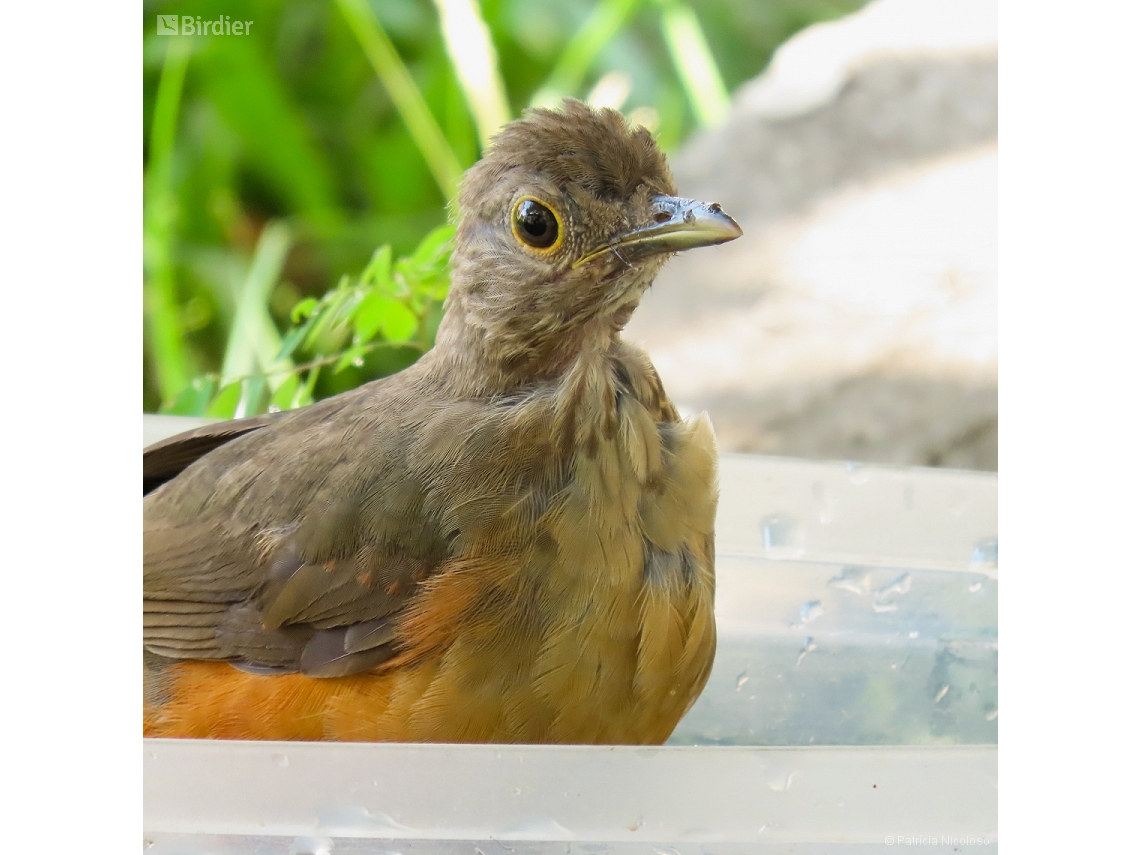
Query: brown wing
(293, 542)
(167, 458)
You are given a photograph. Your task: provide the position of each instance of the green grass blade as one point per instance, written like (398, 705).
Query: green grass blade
(410, 104)
(694, 62)
(254, 340)
(476, 64)
(172, 361)
(600, 27)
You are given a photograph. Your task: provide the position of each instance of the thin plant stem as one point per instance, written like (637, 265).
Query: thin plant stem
(253, 339)
(604, 22)
(476, 64)
(694, 62)
(410, 104)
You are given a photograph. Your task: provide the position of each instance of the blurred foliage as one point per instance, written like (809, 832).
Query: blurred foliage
(276, 162)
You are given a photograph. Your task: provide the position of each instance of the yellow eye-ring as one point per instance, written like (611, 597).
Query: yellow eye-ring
(536, 225)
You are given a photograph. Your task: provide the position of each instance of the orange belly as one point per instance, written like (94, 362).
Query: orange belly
(215, 700)
(625, 676)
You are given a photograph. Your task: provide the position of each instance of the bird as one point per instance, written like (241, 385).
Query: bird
(509, 541)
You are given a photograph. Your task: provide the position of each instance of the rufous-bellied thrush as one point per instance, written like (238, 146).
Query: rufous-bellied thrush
(510, 541)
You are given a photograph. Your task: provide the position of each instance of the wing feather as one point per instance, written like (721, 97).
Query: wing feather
(267, 544)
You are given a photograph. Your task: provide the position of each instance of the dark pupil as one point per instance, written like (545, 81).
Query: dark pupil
(536, 223)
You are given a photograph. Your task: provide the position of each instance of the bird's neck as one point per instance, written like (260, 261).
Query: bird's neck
(479, 359)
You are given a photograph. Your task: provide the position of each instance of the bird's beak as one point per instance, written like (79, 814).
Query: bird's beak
(678, 224)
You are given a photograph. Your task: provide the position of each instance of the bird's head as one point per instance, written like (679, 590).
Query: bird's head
(562, 226)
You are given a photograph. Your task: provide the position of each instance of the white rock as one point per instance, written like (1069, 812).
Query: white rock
(809, 69)
(857, 317)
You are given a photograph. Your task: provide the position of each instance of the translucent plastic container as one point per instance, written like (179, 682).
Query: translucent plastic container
(852, 708)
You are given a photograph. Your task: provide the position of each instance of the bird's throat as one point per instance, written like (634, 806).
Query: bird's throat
(485, 358)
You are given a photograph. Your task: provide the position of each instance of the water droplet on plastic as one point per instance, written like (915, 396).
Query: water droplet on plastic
(985, 555)
(941, 693)
(885, 597)
(991, 711)
(809, 646)
(826, 502)
(858, 473)
(898, 585)
(310, 846)
(973, 589)
(783, 536)
(281, 760)
(912, 634)
(810, 611)
(857, 580)
(779, 782)
(741, 679)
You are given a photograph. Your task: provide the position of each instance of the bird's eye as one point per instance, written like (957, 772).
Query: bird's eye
(536, 225)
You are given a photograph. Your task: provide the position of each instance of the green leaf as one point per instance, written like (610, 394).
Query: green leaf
(310, 383)
(368, 319)
(286, 395)
(328, 322)
(352, 356)
(292, 339)
(304, 309)
(194, 398)
(225, 403)
(434, 250)
(378, 312)
(254, 398)
(426, 271)
(379, 269)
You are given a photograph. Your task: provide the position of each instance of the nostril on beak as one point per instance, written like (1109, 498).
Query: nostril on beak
(662, 216)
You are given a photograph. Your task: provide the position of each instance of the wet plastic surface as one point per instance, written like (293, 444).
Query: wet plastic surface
(856, 605)
(856, 608)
